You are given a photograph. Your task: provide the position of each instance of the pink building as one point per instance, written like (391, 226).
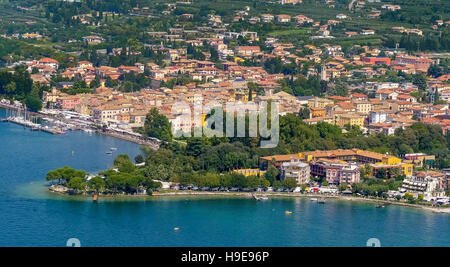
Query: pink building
(68, 102)
(336, 173)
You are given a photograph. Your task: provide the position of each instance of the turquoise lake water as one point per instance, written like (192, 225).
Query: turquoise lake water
(30, 216)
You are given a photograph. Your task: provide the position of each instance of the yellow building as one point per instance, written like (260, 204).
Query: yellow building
(408, 169)
(319, 102)
(350, 119)
(243, 96)
(204, 119)
(250, 172)
(52, 96)
(405, 168)
(318, 112)
(364, 107)
(84, 109)
(391, 160)
(345, 155)
(238, 59)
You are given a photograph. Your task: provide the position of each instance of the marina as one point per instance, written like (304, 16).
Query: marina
(33, 126)
(60, 122)
(25, 119)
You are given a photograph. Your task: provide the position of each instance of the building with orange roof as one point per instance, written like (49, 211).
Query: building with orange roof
(48, 62)
(420, 64)
(317, 112)
(248, 51)
(444, 78)
(282, 18)
(359, 96)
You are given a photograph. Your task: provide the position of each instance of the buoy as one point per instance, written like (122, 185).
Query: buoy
(176, 229)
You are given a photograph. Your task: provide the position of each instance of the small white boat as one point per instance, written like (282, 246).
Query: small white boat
(113, 148)
(108, 152)
(260, 198)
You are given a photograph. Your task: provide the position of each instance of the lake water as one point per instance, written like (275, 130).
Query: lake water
(31, 216)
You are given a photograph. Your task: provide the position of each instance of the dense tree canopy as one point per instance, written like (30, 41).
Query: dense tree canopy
(18, 85)
(157, 126)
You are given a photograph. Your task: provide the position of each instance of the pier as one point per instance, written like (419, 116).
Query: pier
(60, 124)
(33, 126)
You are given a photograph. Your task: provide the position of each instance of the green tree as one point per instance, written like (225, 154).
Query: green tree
(78, 184)
(121, 159)
(65, 174)
(381, 173)
(225, 181)
(139, 159)
(239, 180)
(33, 103)
(304, 113)
(277, 184)
(395, 173)
(126, 166)
(290, 183)
(264, 183)
(366, 171)
(97, 184)
(271, 174)
(342, 187)
(10, 88)
(157, 126)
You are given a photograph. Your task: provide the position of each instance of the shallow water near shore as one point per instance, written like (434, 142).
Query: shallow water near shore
(32, 216)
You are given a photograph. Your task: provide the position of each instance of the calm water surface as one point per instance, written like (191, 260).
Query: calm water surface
(30, 216)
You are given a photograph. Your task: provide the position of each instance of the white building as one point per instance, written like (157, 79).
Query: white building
(378, 117)
(427, 187)
(296, 169)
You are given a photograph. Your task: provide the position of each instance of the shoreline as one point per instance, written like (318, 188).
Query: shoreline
(133, 139)
(194, 194)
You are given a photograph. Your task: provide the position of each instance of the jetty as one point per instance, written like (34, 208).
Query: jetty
(62, 122)
(33, 126)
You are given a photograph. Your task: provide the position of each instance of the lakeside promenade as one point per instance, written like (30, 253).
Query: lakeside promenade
(312, 197)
